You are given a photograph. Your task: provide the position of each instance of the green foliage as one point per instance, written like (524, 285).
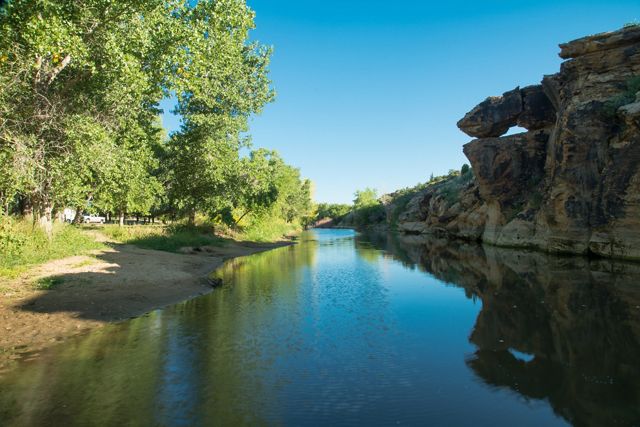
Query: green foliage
(48, 283)
(367, 208)
(365, 198)
(29, 246)
(372, 211)
(164, 238)
(451, 193)
(399, 200)
(268, 193)
(452, 185)
(632, 87)
(11, 243)
(80, 85)
(370, 215)
(332, 210)
(267, 230)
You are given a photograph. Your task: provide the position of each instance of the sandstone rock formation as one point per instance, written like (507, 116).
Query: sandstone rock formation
(572, 182)
(529, 108)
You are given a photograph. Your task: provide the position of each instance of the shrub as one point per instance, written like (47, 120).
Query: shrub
(10, 241)
(267, 230)
(628, 96)
(22, 245)
(48, 283)
(332, 210)
(164, 238)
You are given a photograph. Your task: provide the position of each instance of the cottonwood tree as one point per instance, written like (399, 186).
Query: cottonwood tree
(270, 188)
(80, 84)
(222, 82)
(74, 74)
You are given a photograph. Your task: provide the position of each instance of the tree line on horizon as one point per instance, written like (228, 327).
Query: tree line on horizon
(80, 87)
(370, 209)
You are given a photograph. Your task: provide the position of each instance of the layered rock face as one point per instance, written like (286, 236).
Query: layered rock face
(571, 183)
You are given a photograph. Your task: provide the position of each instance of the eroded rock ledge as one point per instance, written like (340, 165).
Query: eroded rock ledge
(571, 183)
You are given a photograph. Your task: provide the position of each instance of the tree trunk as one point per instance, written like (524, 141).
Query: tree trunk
(121, 219)
(26, 207)
(44, 218)
(243, 215)
(192, 217)
(78, 219)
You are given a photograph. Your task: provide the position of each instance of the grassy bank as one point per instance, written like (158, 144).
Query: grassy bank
(163, 238)
(269, 230)
(172, 238)
(22, 245)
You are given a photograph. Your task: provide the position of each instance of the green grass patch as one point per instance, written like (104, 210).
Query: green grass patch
(85, 263)
(163, 238)
(267, 230)
(22, 245)
(48, 283)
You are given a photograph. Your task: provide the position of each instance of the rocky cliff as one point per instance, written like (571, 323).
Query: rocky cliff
(571, 183)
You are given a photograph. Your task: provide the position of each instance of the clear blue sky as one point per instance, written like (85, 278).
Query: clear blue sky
(369, 91)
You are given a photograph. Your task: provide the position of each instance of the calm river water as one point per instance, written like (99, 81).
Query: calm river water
(359, 330)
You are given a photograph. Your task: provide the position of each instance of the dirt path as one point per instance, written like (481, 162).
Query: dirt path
(117, 283)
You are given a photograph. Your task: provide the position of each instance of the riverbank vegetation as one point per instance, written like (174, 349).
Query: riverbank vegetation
(22, 245)
(80, 133)
(80, 89)
(370, 210)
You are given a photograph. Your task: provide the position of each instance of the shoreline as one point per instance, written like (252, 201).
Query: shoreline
(103, 287)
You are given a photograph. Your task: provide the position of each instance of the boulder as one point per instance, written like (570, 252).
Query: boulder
(494, 116)
(600, 42)
(537, 110)
(509, 168)
(631, 113)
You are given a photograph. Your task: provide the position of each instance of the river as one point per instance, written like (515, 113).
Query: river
(346, 329)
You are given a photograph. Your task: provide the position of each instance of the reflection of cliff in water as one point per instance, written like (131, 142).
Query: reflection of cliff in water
(556, 328)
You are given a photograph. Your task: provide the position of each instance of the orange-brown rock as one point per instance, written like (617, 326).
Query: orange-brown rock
(572, 183)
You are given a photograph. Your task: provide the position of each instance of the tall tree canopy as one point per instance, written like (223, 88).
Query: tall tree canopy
(80, 84)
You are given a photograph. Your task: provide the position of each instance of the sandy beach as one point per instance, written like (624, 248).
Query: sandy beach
(117, 283)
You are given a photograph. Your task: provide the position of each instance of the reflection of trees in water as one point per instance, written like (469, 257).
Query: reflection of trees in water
(577, 321)
(212, 359)
(121, 382)
(169, 365)
(562, 329)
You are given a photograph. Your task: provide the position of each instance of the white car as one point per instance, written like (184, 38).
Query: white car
(93, 219)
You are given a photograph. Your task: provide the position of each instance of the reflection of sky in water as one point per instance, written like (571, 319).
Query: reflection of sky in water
(332, 331)
(525, 357)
